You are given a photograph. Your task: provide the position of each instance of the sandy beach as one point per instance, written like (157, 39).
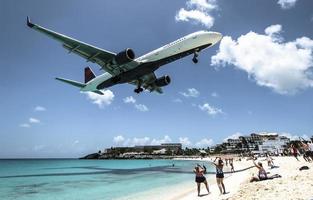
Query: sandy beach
(294, 184)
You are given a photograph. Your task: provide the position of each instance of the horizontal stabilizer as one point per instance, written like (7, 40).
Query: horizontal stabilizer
(71, 82)
(98, 92)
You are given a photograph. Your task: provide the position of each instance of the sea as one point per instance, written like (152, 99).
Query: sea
(73, 179)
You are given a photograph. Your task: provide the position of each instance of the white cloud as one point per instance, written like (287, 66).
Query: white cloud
(191, 92)
(166, 139)
(185, 141)
(274, 32)
(122, 141)
(136, 141)
(33, 120)
(233, 136)
(212, 111)
(101, 100)
(195, 15)
(199, 11)
(141, 107)
(40, 108)
(132, 100)
(285, 67)
(118, 140)
(75, 142)
(129, 99)
(25, 125)
(203, 4)
(204, 143)
(286, 4)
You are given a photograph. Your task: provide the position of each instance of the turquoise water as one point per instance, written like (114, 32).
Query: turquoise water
(88, 179)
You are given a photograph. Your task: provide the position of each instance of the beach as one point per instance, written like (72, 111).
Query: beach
(294, 184)
(148, 179)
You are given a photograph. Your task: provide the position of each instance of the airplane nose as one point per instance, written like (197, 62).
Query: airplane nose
(216, 36)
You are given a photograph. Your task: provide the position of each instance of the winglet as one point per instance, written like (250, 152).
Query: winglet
(29, 24)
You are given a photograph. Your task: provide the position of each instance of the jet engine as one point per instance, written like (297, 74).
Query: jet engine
(163, 81)
(125, 56)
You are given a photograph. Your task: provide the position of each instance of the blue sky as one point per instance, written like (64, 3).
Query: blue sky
(259, 78)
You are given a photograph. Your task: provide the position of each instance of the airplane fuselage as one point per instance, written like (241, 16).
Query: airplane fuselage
(151, 61)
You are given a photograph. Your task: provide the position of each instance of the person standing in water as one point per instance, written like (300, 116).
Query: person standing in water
(200, 178)
(220, 174)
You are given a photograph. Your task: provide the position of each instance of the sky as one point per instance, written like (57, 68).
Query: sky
(258, 78)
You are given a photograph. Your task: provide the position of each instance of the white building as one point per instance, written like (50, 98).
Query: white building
(275, 146)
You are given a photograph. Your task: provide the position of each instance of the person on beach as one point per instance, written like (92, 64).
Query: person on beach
(220, 174)
(306, 149)
(200, 178)
(262, 174)
(231, 163)
(310, 152)
(294, 151)
(269, 160)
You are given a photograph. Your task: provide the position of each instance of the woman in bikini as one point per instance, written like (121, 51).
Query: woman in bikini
(200, 178)
(220, 174)
(262, 175)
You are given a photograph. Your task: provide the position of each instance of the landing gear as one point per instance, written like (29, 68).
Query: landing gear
(139, 88)
(195, 57)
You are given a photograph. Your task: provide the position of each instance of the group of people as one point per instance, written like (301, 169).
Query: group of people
(307, 149)
(200, 178)
(200, 172)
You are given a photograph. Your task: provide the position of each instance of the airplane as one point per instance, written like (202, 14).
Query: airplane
(123, 67)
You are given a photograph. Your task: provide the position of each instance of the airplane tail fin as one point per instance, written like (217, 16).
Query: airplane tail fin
(89, 75)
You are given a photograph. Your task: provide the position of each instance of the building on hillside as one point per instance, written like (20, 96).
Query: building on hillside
(274, 146)
(257, 142)
(172, 147)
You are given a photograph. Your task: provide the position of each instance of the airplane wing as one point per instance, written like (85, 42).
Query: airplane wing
(90, 53)
(148, 83)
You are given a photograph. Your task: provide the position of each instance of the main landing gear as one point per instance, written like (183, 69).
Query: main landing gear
(195, 57)
(139, 88)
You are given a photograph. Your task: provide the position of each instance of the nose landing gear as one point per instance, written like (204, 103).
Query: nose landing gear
(195, 57)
